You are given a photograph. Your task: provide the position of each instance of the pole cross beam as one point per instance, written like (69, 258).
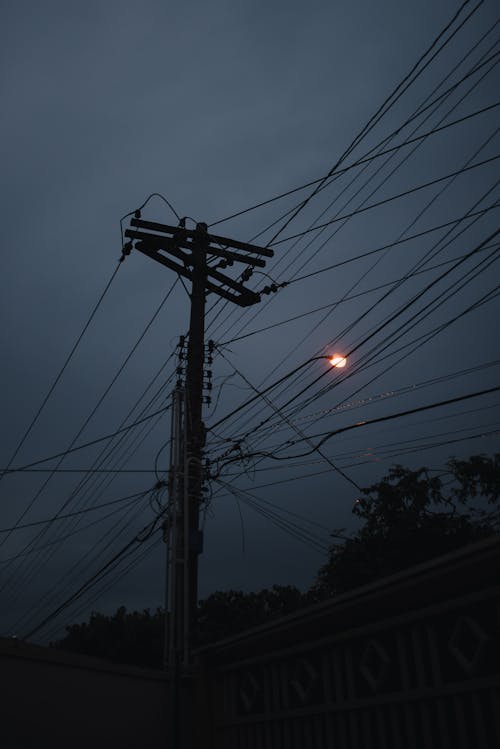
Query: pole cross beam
(184, 234)
(154, 239)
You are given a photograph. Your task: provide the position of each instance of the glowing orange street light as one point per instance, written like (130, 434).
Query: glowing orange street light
(337, 360)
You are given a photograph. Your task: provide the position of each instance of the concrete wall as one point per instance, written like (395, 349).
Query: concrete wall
(280, 680)
(56, 699)
(411, 661)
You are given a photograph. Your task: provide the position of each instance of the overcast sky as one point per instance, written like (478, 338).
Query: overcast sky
(219, 106)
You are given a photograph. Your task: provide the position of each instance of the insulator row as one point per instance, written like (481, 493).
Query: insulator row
(225, 263)
(269, 289)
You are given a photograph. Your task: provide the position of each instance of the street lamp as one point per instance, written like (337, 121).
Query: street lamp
(337, 360)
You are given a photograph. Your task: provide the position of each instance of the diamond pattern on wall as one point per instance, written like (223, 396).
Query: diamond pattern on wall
(374, 664)
(249, 689)
(304, 679)
(467, 643)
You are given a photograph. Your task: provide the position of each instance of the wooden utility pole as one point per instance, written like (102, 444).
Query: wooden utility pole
(198, 256)
(195, 429)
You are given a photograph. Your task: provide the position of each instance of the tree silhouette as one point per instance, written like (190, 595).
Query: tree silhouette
(408, 517)
(412, 516)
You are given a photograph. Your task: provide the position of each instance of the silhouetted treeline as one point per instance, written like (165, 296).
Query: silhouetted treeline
(407, 518)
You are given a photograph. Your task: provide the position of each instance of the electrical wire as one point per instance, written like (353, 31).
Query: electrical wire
(294, 530)
(348, 298)
(96, 407)
(380, 419)
(384, 396)
(103, 571)
(387, 104)
(359, 162)
(84, 563)
(293, 426)
(386, 322)
(390, 199)
(76, 512)
(140, 555)
(419, 109)
(64, 453)
(61, 371)
(50, 544)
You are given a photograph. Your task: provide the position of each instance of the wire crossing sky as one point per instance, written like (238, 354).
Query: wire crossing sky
(361, 142)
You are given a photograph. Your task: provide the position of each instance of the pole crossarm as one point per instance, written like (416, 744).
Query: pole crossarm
(171, 244)
(183, 234)
(175, 240)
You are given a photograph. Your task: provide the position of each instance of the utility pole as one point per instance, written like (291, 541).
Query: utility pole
(198, 256)
(195, 429)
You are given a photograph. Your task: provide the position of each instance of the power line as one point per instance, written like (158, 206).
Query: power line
(389, 417)
(76, 512)
(387, 104)
(357, 346)
(423, 313)
(393, 197)
(144, 204)
(396, 243)
(365, 200)
(374, 451)
(26, 552)
(291, 528)
(359, 162)
(419, 110)
(89, 471)
(482, 63)
(104, 570)
(61, 371)
(143, 553)
(420, 341)
(100, 461)
(293, 426)
(397, 454)
(92, 555)
(344, 299)
(413, 345)
(400, 311)
(382, 397)
(96, 407)
(416, 266)
(91, 442)
(37, 564)
(112, 470)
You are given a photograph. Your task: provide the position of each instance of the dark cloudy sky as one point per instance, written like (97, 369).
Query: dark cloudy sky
(219, 106)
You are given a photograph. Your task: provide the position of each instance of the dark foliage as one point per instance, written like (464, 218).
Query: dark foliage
(407, 518)
(412, 516)
(137, 637)
(226, 613)
(126, 637)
